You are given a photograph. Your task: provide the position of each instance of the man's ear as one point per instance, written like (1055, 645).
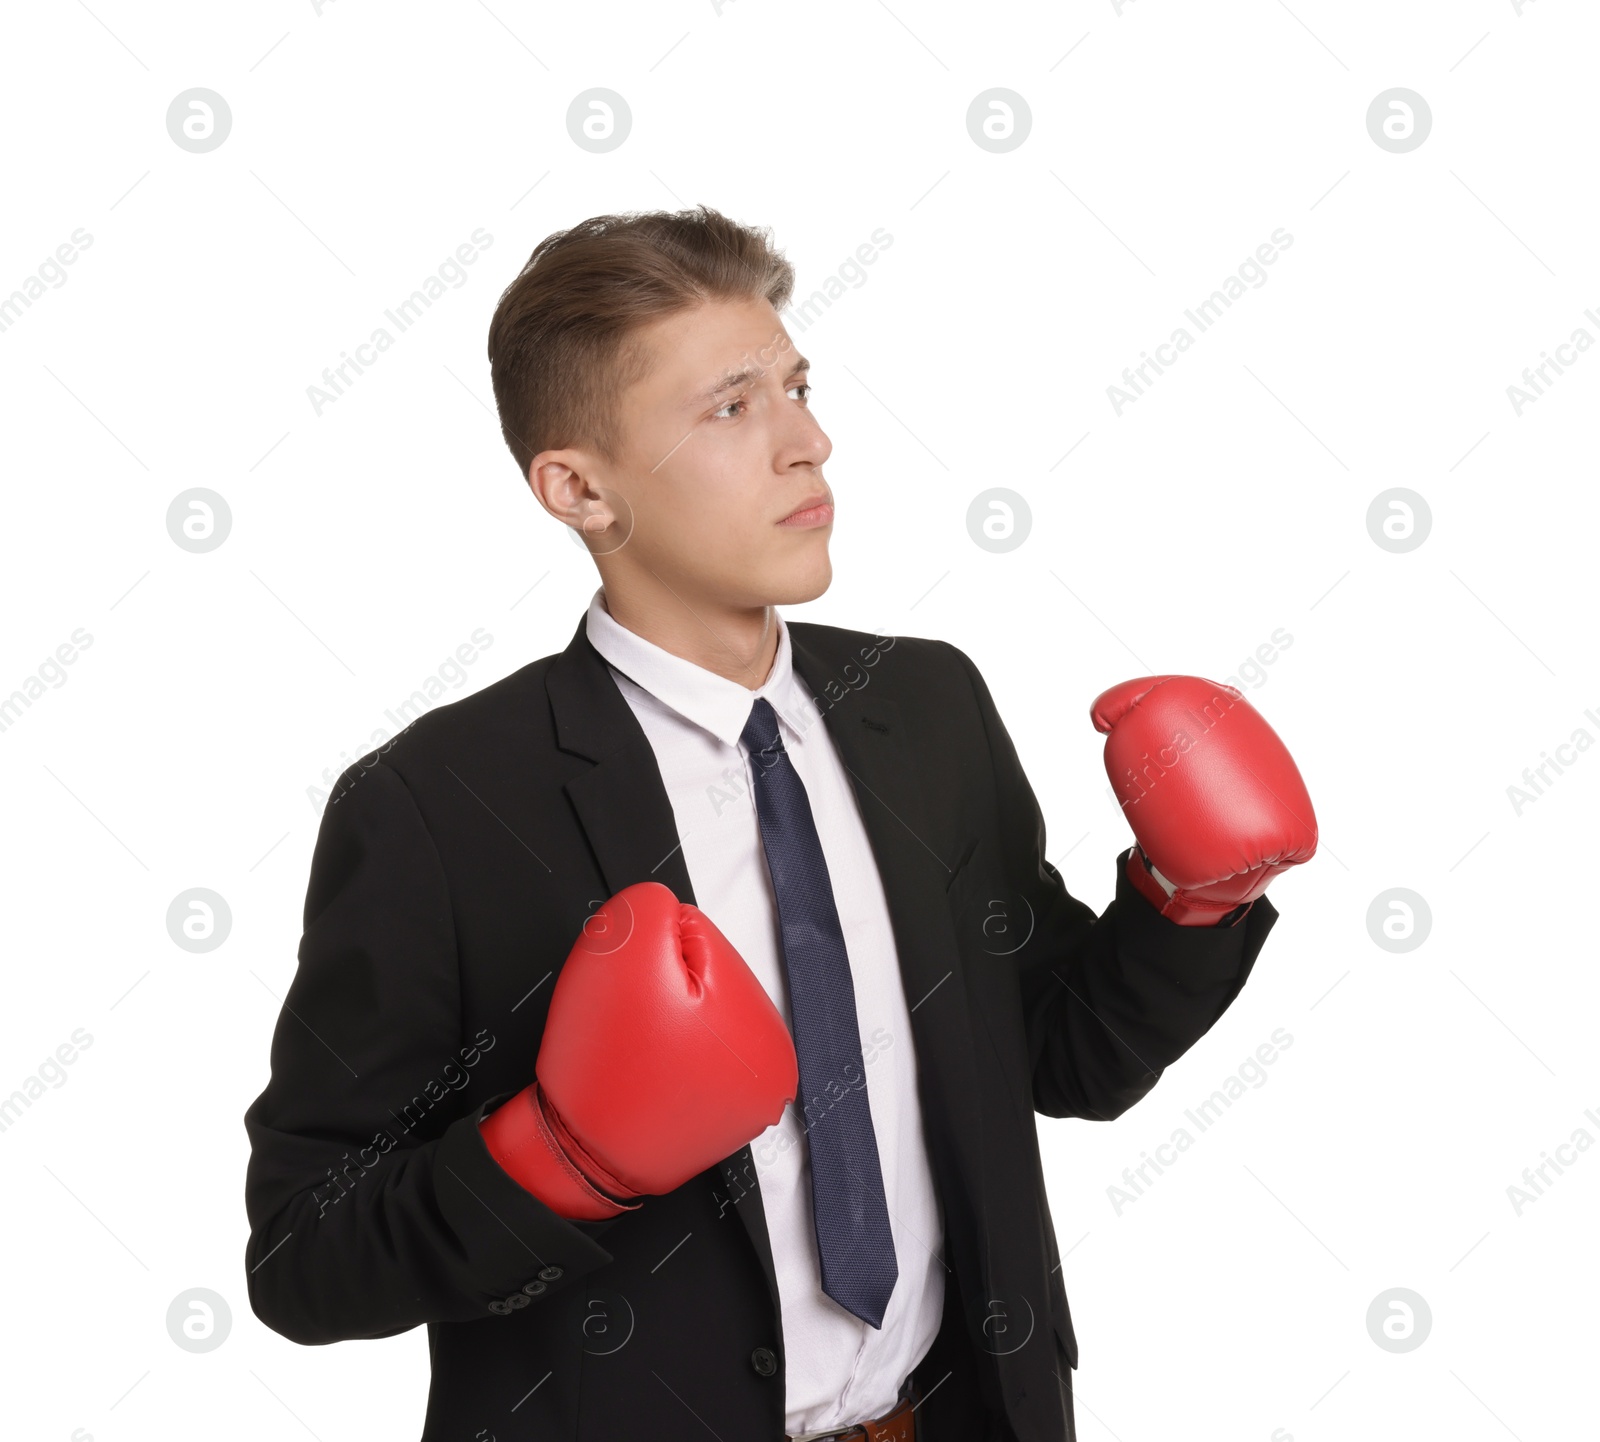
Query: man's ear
(558, 481)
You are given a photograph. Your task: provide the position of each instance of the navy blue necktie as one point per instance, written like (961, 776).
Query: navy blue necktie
(847, 1199)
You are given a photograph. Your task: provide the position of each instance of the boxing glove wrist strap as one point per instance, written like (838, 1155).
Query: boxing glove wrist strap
(529, 1143)
(1168, 900)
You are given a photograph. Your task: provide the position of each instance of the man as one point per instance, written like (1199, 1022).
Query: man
(672, 1015)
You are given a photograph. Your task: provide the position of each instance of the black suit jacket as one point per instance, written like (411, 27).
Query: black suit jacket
(452, 872)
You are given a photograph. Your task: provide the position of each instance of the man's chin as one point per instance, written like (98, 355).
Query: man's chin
(797, 589)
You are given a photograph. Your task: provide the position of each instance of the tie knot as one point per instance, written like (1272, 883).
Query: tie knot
(760, 732)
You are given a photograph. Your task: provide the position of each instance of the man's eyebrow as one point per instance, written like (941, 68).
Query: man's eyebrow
(734, 380)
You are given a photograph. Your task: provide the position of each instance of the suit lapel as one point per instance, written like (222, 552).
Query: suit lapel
(620, 801)
(626, 816)
(869, 731)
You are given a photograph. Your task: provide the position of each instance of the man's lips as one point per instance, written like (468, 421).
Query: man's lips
(814, 511)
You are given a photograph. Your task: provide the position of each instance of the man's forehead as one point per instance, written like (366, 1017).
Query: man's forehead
(706, 374)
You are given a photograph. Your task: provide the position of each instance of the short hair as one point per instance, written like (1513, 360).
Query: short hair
(560, 343)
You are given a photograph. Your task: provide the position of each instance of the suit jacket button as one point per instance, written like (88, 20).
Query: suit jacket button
(534, 1289)
(550, 1274)
(499, 1308)
(517, 1299)
(764, 1360)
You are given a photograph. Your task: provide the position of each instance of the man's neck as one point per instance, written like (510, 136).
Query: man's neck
(739, 645)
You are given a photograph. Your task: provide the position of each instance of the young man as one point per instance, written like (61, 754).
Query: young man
(672, 1015)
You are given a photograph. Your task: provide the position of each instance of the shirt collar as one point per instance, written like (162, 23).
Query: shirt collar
(709, 701)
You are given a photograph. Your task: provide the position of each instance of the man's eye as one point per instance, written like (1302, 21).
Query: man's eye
(743, 402)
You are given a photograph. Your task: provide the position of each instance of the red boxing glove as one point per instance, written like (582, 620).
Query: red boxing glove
(1213, 796)
(661, 1055)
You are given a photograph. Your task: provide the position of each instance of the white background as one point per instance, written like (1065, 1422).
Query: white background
(1167, 142)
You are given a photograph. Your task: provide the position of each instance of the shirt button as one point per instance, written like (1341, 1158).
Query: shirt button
(764, 1360)
(533, 1289)
(550, 1274)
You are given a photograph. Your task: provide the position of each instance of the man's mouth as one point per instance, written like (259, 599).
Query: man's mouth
(813, 511)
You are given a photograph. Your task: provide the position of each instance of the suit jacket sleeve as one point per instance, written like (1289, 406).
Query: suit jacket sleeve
(1109, 1001)
(359, 1226)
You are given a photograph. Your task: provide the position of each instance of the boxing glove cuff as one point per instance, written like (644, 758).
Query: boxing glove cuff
(530, 1144)
(1169, 901)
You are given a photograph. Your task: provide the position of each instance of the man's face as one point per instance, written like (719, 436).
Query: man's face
(720, 450)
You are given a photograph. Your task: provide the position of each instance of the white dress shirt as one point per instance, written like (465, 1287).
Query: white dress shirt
(840, 1371)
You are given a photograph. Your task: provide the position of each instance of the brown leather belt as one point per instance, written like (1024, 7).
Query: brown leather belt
(899, 1424)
